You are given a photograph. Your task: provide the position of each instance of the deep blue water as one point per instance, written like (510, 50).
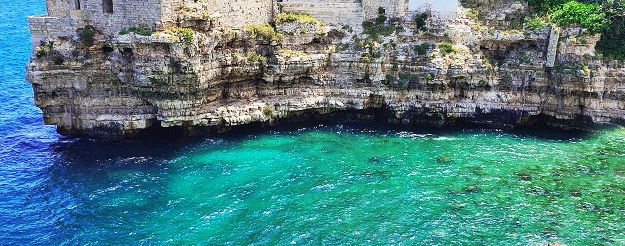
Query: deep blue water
(26, 151)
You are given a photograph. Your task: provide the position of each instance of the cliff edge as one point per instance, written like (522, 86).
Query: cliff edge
(200, 68)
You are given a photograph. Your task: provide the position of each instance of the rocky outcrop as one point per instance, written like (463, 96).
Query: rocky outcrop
(122, 85)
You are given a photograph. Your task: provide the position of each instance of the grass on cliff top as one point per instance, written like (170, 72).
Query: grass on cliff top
(294, 17)
(446, 47)
(265, 33)
(137, 30)
(186, 34)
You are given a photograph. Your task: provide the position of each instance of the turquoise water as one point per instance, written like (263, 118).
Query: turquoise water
(321, 185)
(343, 185)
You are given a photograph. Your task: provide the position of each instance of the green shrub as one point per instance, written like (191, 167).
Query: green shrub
(535, 24)
(299, 18)
(348, 28)
(422, 49)
(446, 47)
(42, 50)
(586, 15)
(390, 79)
(265, 33)
(544, 6)
(475, 14)
(267, 111)
(381, 19)
(469, 5)
(407, 78)
(612, 42)
(87, 35)
(506, 80)
(286, 53)
(185, 34)
(420, 21)
(255, 57)
(583, 41)
(137, 30)
(374, 32)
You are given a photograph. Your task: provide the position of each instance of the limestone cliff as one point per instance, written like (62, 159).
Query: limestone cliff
(453, 69)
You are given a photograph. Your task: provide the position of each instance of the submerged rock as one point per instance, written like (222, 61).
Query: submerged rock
(444, 159)
(471, 189)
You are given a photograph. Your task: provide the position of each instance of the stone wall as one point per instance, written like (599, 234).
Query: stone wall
(393, 8)
(126, 13)
(338, 13)
(42, 27)
(238, 14)
(347, 12)
(72, 14)
(65, 16)
(59, 8)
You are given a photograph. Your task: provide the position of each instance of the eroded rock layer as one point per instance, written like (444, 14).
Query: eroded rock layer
(122, 85)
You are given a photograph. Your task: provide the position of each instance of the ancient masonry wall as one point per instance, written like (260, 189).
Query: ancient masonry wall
(440, 20)
(65, 16)
(126, 13)
(238, 14)
(42, 27)
(393, 8)
(333, 12)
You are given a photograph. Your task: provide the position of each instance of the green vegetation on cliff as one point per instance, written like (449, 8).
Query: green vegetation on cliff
(87, 35)
(586, 15)
(137, 30)
(375, 30)
(185, 34)
(265, 33)
(252, 56)
(300, 18)
(612, 43)
(596, 16)
(567, 14)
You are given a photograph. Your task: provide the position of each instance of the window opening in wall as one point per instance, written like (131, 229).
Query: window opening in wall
(107, 6)
(77, 4)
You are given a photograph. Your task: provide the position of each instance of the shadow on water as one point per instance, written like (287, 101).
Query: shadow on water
(156, 145)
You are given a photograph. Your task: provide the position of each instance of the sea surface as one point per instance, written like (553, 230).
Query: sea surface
(316, 184)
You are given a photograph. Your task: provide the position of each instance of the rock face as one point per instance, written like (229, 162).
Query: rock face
(124, 84)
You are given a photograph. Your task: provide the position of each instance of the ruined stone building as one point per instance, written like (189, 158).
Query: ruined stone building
(111, 16)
